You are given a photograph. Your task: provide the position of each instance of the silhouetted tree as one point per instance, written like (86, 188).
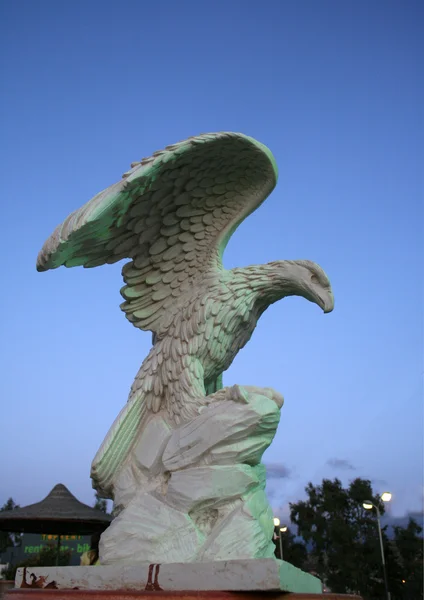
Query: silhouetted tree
(9, 539)
(343, 536)
(405, 562)
(294, 551)
(100, 503)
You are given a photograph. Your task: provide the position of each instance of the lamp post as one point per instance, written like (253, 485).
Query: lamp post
(277, 524)
(282, 529)
(368, 505)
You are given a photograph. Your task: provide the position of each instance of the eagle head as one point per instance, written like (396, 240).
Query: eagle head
(307, 279)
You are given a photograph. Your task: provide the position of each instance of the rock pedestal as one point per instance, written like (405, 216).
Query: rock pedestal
(196, 493)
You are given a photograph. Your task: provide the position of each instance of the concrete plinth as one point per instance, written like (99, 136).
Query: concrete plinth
(257, 575)
(40, 594)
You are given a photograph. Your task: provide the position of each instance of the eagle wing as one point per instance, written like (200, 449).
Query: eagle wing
(172, 214)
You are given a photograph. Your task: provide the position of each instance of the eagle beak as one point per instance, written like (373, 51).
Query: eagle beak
(326, 301)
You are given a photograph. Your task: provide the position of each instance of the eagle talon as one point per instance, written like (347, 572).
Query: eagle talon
(239, 394)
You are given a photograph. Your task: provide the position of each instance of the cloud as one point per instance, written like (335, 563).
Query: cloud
(340, 463)
(277, 471)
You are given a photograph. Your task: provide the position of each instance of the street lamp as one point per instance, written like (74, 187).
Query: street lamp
(277, 524)
(368, 505)
(282, 529)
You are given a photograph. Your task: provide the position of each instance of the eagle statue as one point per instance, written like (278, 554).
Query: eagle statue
(172, 215)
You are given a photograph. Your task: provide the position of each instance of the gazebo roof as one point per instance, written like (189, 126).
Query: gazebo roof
(60, 513)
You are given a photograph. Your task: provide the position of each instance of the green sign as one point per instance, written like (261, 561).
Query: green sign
(77, 544)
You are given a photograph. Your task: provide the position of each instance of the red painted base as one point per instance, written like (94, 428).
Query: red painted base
(43, 594)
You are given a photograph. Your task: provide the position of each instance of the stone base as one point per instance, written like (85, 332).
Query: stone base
(257, 575)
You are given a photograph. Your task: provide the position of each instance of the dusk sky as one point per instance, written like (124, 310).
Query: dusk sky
(335, 90)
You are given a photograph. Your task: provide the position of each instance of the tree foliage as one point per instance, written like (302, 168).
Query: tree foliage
(100, 503)
(45, 558)
(405, 562)
(344, 544)
(9, 539)
(294, 551)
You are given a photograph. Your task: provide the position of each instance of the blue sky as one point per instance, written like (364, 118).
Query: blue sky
(335, 90)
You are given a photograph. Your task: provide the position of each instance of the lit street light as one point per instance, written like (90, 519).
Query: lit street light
(368, 505)
(283, 528)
